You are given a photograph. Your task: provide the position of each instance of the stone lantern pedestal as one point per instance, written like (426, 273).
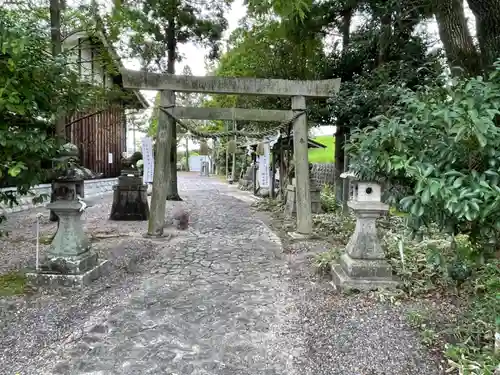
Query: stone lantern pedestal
(69, 260)
(363, 265)
(130, 199)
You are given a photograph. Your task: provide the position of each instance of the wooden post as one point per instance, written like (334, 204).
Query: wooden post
(159, 195)
(233, 168)
(345, 181)
(303, 198)
(282, 173)
(273, 174)
(254, 172)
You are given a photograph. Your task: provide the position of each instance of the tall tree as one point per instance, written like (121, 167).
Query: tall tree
(487, 13)
(55, 8)
(159, 27)
(456, 37)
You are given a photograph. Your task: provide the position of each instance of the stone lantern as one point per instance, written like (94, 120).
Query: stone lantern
(363, 265)
(69, 260)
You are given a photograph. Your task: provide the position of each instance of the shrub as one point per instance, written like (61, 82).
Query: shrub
(438, 150)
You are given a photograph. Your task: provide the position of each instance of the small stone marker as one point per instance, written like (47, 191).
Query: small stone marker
(70, 260)
(130, 200)
(363, 265)
(205, 170)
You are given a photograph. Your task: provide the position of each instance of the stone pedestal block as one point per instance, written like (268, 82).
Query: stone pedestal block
(363, 266)
(291, 204)
(130, 200)
(69, 260)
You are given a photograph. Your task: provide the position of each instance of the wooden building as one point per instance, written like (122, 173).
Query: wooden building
(100, 131)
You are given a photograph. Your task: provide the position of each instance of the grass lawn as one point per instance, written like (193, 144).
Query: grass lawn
(323, 155)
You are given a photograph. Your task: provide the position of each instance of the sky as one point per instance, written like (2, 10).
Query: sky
(194, 56)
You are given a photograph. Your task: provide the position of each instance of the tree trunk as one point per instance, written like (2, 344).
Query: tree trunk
(339, 163)
(487, 13)
(384, 42)
(55, 38)
(461, 52)
(171, 168)
(340, 139)
(345, 28)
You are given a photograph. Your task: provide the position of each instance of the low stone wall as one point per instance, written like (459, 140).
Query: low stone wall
(92, 188)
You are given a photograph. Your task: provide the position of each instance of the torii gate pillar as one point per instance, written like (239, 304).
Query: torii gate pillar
(297, 90)
(300, 151)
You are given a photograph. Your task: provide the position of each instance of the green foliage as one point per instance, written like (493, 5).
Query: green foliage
(367, 84)
(284, 8)
(440, 145)
(159, 26)
(220, 160)
(324, 261)
(328, 201)
(474, 353)
(35, 89)
(323, 155)
(12, 284)
(425, 271)
(264, 50)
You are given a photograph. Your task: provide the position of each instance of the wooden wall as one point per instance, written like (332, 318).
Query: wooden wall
(97, 135)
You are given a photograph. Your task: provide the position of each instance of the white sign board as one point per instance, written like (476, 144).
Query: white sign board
(264, 167)
(148, 159)
(110, 158)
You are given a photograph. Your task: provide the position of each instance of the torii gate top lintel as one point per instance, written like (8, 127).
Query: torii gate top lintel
(168, 84)
(143, 80)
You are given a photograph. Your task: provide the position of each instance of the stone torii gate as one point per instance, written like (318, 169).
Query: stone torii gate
(297, 90)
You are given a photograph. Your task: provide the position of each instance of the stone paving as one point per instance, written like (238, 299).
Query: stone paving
(220, 299)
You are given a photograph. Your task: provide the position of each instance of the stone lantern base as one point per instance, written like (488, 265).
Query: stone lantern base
(69, 260)
(47, 278)
(363, 265)
(363, 274)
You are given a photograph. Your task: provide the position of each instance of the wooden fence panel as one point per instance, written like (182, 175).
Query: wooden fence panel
(99, 136)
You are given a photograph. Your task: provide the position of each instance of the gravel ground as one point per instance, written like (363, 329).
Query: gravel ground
(220, 298)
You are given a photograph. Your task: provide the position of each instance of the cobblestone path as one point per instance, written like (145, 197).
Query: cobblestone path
(218, 299)
(215, 303)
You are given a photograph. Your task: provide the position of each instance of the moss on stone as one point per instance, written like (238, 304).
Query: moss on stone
(12, 283)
